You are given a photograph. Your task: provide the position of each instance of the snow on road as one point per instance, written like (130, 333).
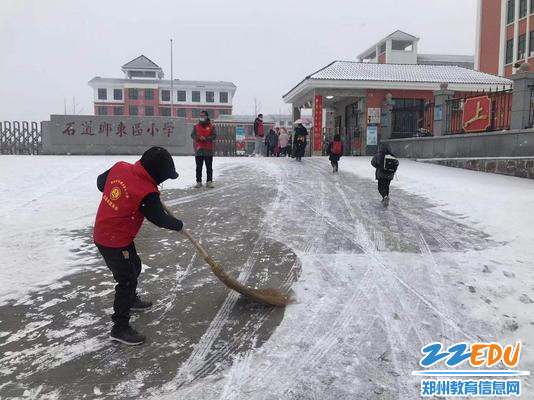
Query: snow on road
(450, 260)
(45, 196)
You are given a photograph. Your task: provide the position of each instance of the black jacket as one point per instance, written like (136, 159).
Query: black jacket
(271, 138)
(300, 132)
(378, 163)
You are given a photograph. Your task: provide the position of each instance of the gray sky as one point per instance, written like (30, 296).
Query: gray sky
(52, 48)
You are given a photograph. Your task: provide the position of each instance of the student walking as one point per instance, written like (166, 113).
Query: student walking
(335, 151)
(299, 140)
(386, 165)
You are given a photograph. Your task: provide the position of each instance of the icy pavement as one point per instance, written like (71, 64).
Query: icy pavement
(450, 260)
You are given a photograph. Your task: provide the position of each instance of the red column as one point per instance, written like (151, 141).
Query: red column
(318, 123)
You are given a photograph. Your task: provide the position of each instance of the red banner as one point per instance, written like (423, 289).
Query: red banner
(318, 123)
(477, 114)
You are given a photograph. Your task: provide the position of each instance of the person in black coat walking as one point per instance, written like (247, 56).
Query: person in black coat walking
(271, 140)
(335, 151)
(384, 173)
(299, 141)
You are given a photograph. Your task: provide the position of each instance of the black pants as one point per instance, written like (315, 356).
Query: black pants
(200, 160)
(383, 187)
(300, 148)
(270, 150)
(334, 159)
(125, 265)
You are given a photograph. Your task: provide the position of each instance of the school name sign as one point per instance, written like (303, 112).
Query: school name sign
(88, 134)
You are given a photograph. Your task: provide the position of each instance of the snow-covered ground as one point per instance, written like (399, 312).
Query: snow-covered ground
(48, 195)
(450, 260)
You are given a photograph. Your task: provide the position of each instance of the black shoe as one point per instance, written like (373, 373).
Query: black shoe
(140, 305)
(127, 336)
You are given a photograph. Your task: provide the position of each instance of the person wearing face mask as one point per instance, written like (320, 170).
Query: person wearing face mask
(129, 194)
(259, 133)
(203, 136)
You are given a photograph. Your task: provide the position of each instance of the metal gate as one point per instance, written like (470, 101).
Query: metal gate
(20, 137)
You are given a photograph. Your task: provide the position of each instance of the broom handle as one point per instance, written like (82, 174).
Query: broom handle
(196, 244)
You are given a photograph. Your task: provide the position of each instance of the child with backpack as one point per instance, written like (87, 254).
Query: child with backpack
(386, 165)
(335, 151)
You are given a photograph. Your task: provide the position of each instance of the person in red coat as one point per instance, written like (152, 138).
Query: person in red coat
(129, 194)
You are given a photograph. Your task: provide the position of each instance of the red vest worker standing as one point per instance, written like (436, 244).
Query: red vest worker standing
(129, 194)
(203, 136)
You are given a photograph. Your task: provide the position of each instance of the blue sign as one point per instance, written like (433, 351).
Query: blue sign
(240, 133)
(372, 135)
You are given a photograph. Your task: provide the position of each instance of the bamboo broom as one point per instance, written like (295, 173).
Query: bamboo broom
(267, 296)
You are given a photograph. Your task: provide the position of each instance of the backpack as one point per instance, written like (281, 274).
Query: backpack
(390, 163)
(336, 147)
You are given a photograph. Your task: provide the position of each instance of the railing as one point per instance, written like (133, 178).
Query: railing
(531, 108)
(412, 121)
(501, 110)
(350, 136)
(225, 143)
(20, 137)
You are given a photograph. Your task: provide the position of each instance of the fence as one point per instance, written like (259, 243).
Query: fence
(225, 143)
(501, 111)
(20, 137)
(350, 136)
(412, 118)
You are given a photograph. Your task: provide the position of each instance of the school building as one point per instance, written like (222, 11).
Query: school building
(143, 91)
(351, 97)
(505, 35)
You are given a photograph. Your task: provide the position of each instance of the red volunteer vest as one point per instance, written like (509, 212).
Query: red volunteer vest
(203, 131)
(118, 219)
(336, 147)
(261, 130)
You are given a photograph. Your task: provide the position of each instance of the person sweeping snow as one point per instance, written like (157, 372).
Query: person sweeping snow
(386, 165)
(129, 194)
(335, 151)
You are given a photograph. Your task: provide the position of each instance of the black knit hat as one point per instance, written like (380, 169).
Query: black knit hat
(159, 164)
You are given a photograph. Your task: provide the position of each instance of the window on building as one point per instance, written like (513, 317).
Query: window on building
(165, 95)
(118, 110)
(142, 74)
(210, 97)
(531, 43)
(102, 94)
(117, 94)
(223, 96)
(133, 110)
(195, 96)
(195, 113)
(149, 111)
(181, 95)
(531, 6)
(165, 111)
(521, 46)
(102, 110)
(224, 111)
(522, 8)
(181, 113)
(509, 56)
(149, 94)
(402, 45)
(510, 11)
(383, 48)
(132, 93)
